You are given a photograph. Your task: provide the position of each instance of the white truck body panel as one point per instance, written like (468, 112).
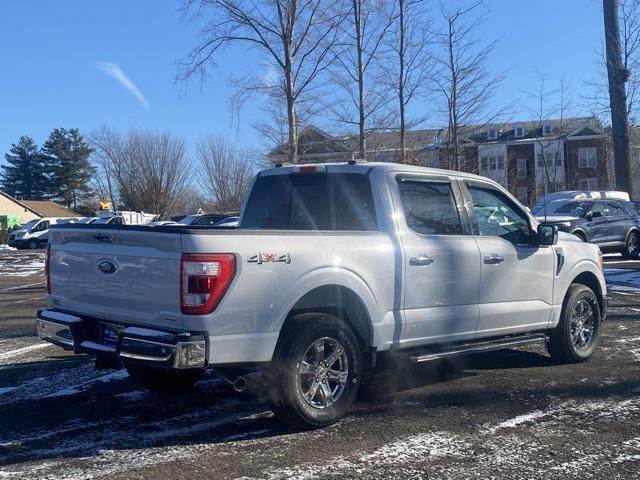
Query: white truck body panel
(455, 296)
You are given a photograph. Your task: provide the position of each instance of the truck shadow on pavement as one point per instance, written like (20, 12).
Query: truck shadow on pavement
(110, 413)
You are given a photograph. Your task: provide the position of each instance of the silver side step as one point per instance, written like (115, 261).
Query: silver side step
(481, 347)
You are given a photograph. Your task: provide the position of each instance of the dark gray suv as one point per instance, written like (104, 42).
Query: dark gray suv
(613, 225)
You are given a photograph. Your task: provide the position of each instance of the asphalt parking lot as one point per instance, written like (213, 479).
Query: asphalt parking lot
(512, 414)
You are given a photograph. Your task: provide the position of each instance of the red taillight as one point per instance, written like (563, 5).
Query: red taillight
(47, 267)
(204, 279)
(307, 169)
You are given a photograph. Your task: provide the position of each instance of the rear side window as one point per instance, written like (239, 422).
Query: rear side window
(311, 201)
(429, 207)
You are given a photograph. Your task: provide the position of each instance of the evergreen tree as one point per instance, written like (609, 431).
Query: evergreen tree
(68, 156)
(26, 174)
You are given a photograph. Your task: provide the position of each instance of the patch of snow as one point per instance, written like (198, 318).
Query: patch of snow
(22, 351)
(117, 375)
(5, 247)
(519, 420)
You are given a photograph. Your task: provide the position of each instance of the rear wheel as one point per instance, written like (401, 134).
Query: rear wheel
(578, 332)
(632, 246)
(316, 371)
(164, 381)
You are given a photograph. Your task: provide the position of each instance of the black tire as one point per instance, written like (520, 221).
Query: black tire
(580, 235)
(562, 343)
(632, 246)
(33, 245)
(164, 381)
(287, 397)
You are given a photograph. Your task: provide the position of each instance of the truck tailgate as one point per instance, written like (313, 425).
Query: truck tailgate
(130, 276)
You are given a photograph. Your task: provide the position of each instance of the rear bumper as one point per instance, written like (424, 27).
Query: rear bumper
(134, 345)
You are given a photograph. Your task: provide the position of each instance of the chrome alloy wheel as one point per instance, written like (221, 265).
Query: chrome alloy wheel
(583, 325)
(632, 244)
(323, 372)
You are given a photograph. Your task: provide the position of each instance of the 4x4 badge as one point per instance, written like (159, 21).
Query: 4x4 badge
(260, 258)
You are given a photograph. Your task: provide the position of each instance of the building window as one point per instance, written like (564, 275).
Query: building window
(587, 157)
(484, 162)
(492, 163)
(546, 129)
(558, 160)
(588, 184)
(500, 162)
(492, 134)
(519, 132)
(522, 167)
(522, 193)
(539, 158)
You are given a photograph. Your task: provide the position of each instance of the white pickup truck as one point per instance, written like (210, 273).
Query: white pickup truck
(332, 265)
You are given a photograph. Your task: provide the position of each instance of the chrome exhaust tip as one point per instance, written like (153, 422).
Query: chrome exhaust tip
(240, 384)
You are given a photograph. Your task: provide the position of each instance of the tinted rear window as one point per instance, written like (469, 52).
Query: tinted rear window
(311, 201)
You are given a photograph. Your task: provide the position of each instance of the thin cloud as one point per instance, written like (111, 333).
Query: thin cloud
(114, 71)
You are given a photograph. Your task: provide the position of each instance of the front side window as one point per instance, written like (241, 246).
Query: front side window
(311, 201)
(42, 226)
(429, 207)
(497, 216)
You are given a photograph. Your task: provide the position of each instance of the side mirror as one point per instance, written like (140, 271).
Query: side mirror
(547, 234)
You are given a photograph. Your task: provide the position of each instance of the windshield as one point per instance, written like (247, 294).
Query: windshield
(573, 209)
(29, 224)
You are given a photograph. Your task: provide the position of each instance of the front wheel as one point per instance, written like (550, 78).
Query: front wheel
(632, 246)
(33, 245)
(164, 381)
(316, 371)
(578, 332)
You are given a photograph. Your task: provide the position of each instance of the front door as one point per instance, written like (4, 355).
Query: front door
(516, 286)
(441, 262)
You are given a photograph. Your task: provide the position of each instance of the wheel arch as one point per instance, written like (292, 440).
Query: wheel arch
(590, 280)
(580, 232)
(633, 229)
(339, 301)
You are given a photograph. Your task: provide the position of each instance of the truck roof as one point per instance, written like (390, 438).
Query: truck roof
(365, 167)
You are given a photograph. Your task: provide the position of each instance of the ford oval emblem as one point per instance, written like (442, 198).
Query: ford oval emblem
(107, 266)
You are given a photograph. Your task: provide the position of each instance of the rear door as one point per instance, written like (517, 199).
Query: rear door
(516, 286)
(441, 261)
(128, 275)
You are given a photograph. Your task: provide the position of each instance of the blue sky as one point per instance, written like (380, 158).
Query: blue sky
(60, 57)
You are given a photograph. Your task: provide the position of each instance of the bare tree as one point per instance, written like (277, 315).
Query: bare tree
(150, 170)
(463, 81)
(550, 104)
(105, 143)
(598, 98)
(298, 39)
(367, 104)
(406, 61)
(225, 173)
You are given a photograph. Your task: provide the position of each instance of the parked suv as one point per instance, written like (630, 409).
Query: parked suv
(613, 225)
(332, 265)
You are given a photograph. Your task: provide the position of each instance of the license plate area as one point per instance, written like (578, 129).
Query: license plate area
(109, 333)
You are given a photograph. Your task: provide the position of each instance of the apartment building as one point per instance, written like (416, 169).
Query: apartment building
(529, 158)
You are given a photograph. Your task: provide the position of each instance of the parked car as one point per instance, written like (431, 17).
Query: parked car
(613, 225)
(332, 266)
(113, 220)
(35, 233)
(228, 222)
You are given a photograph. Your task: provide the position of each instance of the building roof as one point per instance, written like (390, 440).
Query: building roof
(314, 141)
(48, 208)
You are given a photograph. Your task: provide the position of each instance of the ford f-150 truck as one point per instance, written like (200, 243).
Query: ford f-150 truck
(332, 266)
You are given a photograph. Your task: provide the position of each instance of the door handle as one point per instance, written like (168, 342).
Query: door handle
(493, 259)
(421, 260)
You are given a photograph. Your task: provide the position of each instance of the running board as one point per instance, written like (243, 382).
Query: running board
(480, 347)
